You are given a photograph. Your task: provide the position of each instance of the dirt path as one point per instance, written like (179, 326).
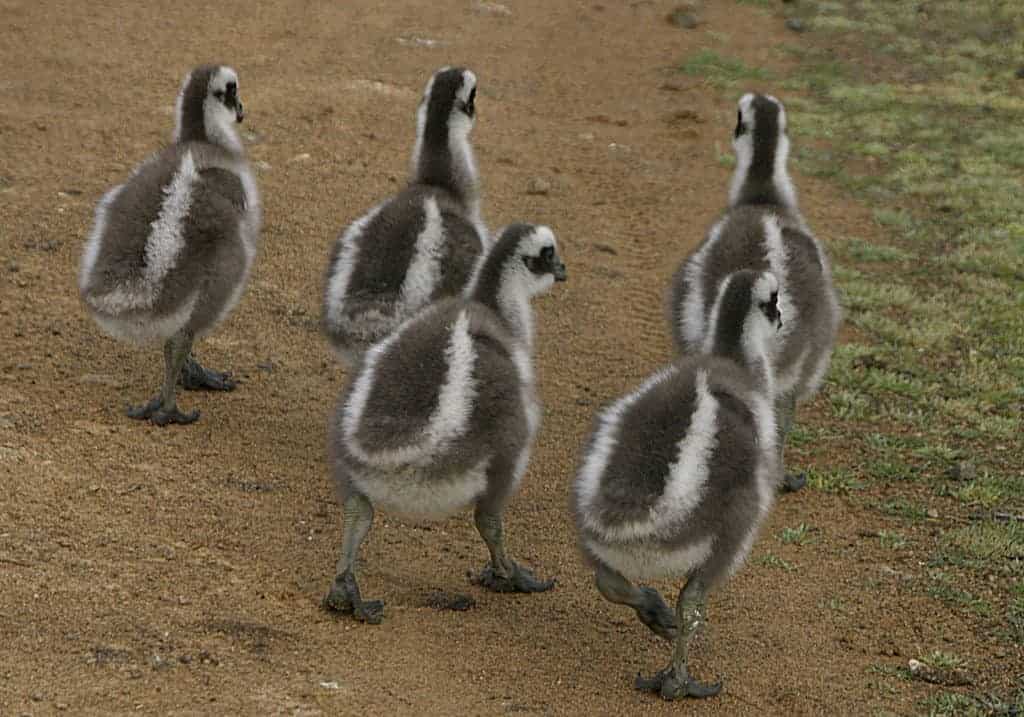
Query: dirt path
(180, 570)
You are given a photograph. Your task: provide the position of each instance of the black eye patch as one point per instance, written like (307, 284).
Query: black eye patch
(229, 95)
(469, 106)
(541, 264)
(770, 308)
(740, 129)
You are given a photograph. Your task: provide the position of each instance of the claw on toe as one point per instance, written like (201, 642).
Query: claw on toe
(520, 581)
(195, 377)
(792, 482)
(667, 684)
(156, 415)
(340, 599)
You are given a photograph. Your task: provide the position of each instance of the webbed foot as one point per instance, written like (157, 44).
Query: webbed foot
(344, 597)
(656, 614)
(195, 377)
(520, 581)
(672, 686)
(792, 482)
(153, 412)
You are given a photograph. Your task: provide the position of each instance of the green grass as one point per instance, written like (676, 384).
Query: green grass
(719, 70)
(892, 540)
(773, 561)
(904, 508)
(800, 535)
(956, 704)
(837, 480)
(913, 109)
(985, 545)
(990, 491)
(945, 589)
(943, 660)
(1015, 613)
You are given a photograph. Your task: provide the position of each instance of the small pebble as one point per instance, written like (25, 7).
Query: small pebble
(932, 513)
(681, 17)
(12, 266)
(491, 8)
(538, 186)
(796, 24)
(963, 470)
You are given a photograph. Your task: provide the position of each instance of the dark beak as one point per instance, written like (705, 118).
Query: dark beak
(239, 113)
(559, 272)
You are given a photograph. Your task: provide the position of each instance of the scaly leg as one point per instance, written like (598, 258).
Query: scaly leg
(195, 377)
(344, 593)
(163, 409)
(647, 602)
(502, 574)
(675, 682)
(785, 409)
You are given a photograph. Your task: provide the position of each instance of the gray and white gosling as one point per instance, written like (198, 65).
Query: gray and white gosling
(442, 414)
(678, 475)
(171, 248)
(763, 230)
(420, 245)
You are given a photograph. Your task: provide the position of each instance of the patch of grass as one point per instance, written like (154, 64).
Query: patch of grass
(863, 251)
(892, 540)
(925, 134)
(719, 70)
(849, 404)
(898, 672)
(774, 561)
(903, 508)
(835, 605)
(833, 481)
(800, 535)
(891, 470)
(992, 491)
(943, 660)
(956, 704)
(943, 588)
(986, 545)
(1015, 612)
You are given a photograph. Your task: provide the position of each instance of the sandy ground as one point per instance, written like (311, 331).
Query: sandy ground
(180, 570)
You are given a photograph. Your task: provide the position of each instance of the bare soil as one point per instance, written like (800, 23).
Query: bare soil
(180, 570)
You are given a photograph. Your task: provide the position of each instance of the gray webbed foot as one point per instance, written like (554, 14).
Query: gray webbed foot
(656, 614)
(195, 377)
(153, 412)
(672, 686)
(344, 597)
(520, 581)
(792, 482)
